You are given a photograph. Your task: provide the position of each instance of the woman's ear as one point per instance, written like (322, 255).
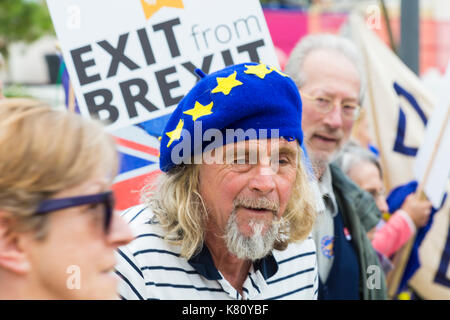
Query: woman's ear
(12, 256)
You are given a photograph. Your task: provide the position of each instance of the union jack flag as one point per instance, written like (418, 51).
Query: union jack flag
(138, 147)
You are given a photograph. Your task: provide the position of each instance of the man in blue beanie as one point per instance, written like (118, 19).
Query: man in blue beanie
(230, 216)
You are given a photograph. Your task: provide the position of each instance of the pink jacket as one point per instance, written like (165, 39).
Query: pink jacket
(393, 234)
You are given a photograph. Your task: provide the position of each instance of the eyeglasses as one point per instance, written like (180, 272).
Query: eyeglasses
(325, 105)
(377, 193)
(105, 198)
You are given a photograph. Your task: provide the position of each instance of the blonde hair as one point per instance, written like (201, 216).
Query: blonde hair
(44, 151)
(178, 206)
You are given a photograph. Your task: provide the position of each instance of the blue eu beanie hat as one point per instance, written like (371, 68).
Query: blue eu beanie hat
(239, 97)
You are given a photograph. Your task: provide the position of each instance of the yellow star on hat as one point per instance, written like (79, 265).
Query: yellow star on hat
(279, 72)
(259, 70)
(199, 110)
(225, 85)
(175, 134)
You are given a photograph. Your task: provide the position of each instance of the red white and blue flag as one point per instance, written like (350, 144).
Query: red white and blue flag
(138, 147)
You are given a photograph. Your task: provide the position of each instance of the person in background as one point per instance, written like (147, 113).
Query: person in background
(328, 72)
(364, 168)
(58, 230)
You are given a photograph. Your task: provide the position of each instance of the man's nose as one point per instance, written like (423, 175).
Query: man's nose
(382, 204)
(263, 179)
(334, 118)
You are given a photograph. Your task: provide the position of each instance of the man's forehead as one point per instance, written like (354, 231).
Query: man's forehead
(324, 57)
(320, 64)
(277, 143)
(256, 147)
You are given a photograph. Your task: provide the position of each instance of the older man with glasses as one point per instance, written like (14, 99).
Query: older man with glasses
(327, 71)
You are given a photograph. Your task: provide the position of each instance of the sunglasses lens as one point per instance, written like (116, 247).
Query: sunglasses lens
(109, 209)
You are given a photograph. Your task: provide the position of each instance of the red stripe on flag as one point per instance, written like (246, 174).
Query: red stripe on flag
(137, 146)
(127, 192)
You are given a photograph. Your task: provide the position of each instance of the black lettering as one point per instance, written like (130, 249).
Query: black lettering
(131, 100)
(204, 37)
(117, 55)
(81, 65)
(165, 86)
(146, 47)
(227, 58)
(95, 108)
(252, 49)
(167, 28)
(245, 21)
(206, 65)
(227, 31)
(194, 35)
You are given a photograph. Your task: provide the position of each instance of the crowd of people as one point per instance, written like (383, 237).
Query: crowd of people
(245, 222)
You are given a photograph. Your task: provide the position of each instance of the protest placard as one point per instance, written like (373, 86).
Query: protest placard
(133, 60)
(432, 165)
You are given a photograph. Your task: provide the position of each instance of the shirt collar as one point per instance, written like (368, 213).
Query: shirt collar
(204, 265)
(326, 188)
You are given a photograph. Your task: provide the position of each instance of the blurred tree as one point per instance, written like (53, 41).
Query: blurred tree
(23, 20)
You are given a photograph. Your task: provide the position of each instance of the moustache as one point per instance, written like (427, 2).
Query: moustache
(261, 203)
(331, 133)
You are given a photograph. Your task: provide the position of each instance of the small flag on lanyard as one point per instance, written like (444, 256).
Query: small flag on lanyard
(347, 234)
(70, 100)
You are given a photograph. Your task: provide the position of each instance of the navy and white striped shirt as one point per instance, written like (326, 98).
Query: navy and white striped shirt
(151, 268)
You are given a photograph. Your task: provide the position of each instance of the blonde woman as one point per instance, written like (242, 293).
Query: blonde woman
(58, 230)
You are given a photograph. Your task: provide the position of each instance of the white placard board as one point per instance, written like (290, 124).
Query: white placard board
(133, 60)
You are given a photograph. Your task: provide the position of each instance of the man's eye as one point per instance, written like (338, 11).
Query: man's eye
(240, 164)
(322, 100)
(349, 107)
(240, 161)
(373, 193)
(282, 161)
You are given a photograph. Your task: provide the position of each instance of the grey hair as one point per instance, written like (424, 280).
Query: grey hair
(353, 154)
(329, 42)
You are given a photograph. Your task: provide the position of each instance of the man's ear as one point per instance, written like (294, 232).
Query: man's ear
(12, 256)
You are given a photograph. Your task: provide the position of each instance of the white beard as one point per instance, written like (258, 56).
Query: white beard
(258, 245)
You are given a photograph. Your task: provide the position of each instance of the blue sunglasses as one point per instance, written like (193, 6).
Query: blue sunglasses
(105, 198)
